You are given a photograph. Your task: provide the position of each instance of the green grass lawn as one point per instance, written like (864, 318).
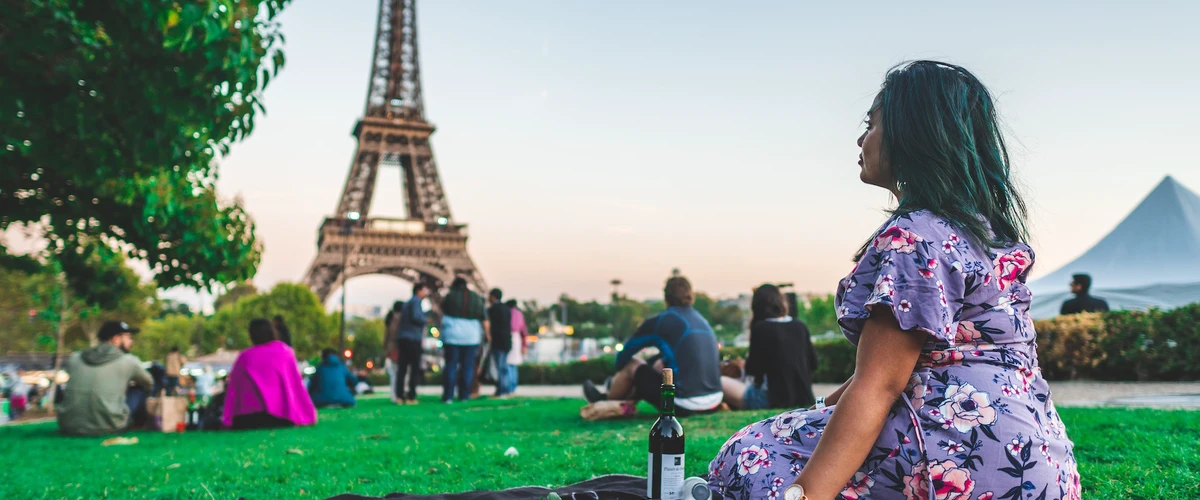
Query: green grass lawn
(380, 448)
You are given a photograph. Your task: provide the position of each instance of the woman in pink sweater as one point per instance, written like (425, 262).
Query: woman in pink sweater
(264, 388)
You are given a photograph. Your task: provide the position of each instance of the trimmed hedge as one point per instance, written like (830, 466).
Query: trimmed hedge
(1118, 345)
(1122, 345)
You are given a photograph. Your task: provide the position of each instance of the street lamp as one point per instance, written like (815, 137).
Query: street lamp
(346, 226)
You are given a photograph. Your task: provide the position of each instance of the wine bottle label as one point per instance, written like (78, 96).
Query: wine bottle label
(671, 474)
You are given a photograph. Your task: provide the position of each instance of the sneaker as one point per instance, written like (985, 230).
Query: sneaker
(591, 393)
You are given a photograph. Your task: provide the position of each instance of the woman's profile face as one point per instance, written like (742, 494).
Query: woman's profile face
(873, 165)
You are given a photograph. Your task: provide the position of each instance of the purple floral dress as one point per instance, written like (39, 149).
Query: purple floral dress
(976, 421)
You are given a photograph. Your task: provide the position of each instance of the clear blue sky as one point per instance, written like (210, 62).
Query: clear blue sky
(585, 141)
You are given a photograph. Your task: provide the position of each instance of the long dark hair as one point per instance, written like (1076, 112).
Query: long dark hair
(767, 303)
(942, 139)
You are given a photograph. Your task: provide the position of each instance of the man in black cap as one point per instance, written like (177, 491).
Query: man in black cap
(107, 385)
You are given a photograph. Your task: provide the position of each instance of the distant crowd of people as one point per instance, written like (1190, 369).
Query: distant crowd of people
(108, 388)
(477, 334)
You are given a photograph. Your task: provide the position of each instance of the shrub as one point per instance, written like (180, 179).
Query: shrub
(571, 373)
(835, 360)
(1118, 345)
(1172, 350)
(1123, 346)
(1069, 345)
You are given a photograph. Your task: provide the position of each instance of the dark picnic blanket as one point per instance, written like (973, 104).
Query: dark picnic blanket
(613, 487)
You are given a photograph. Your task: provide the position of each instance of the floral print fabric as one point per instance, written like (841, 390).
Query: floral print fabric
(976, 421)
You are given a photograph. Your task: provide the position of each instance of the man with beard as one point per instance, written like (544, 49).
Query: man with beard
(107, 385)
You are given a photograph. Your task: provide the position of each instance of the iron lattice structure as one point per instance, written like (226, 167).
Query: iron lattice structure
(427, 245)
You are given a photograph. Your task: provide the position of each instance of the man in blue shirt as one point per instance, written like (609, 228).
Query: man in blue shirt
(685, 343)
(410, 331)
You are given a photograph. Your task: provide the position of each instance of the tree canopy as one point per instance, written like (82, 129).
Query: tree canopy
(620, 317)
(111, 117)
(311, 327)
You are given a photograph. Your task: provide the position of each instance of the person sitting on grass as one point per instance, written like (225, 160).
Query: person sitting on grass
(687, 345)
(107, 385)
(331, 384)
(264, 388)
(781, 358)
(946, 400)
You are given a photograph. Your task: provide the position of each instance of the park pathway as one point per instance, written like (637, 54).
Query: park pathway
(1184, 395)
(1165, 395)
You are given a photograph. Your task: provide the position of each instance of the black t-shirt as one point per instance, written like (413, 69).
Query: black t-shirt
(783, 353)
(1084, 303)
(500, 326)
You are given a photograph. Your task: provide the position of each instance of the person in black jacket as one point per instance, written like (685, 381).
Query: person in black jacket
(1081, 284)
(499, 337)
(781, 361)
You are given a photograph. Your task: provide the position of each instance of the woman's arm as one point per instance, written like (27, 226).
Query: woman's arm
(886, 357)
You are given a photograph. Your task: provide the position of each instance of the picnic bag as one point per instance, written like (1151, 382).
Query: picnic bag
(167, 412)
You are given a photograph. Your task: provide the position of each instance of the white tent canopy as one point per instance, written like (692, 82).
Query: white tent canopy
(1151, 259)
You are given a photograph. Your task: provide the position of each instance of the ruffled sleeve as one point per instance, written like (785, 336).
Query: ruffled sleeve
(909, 273)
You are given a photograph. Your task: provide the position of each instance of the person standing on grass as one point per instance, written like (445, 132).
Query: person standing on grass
(107, 386)
(264, 388)
(175, 362)
(686, 344)
(409, 333)
(520, 345)
(391, 322)
(499, 338)
(946, 400)
(463, 324)
(1081, 286)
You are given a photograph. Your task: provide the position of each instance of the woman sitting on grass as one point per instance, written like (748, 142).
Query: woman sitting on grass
(946, 400)
(264, 388)
(781, 358)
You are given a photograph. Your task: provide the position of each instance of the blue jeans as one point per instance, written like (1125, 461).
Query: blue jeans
(135, 400)
(460, 371)
(500, 361)
(512, 379)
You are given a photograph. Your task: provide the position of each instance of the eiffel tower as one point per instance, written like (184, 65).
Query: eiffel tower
(427, 245)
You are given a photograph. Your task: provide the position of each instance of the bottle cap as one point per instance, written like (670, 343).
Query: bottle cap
(668, 376)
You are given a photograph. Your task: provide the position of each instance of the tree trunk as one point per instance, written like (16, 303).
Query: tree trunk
(58, 347)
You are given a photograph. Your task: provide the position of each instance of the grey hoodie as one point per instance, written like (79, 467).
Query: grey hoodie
(94, 399)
